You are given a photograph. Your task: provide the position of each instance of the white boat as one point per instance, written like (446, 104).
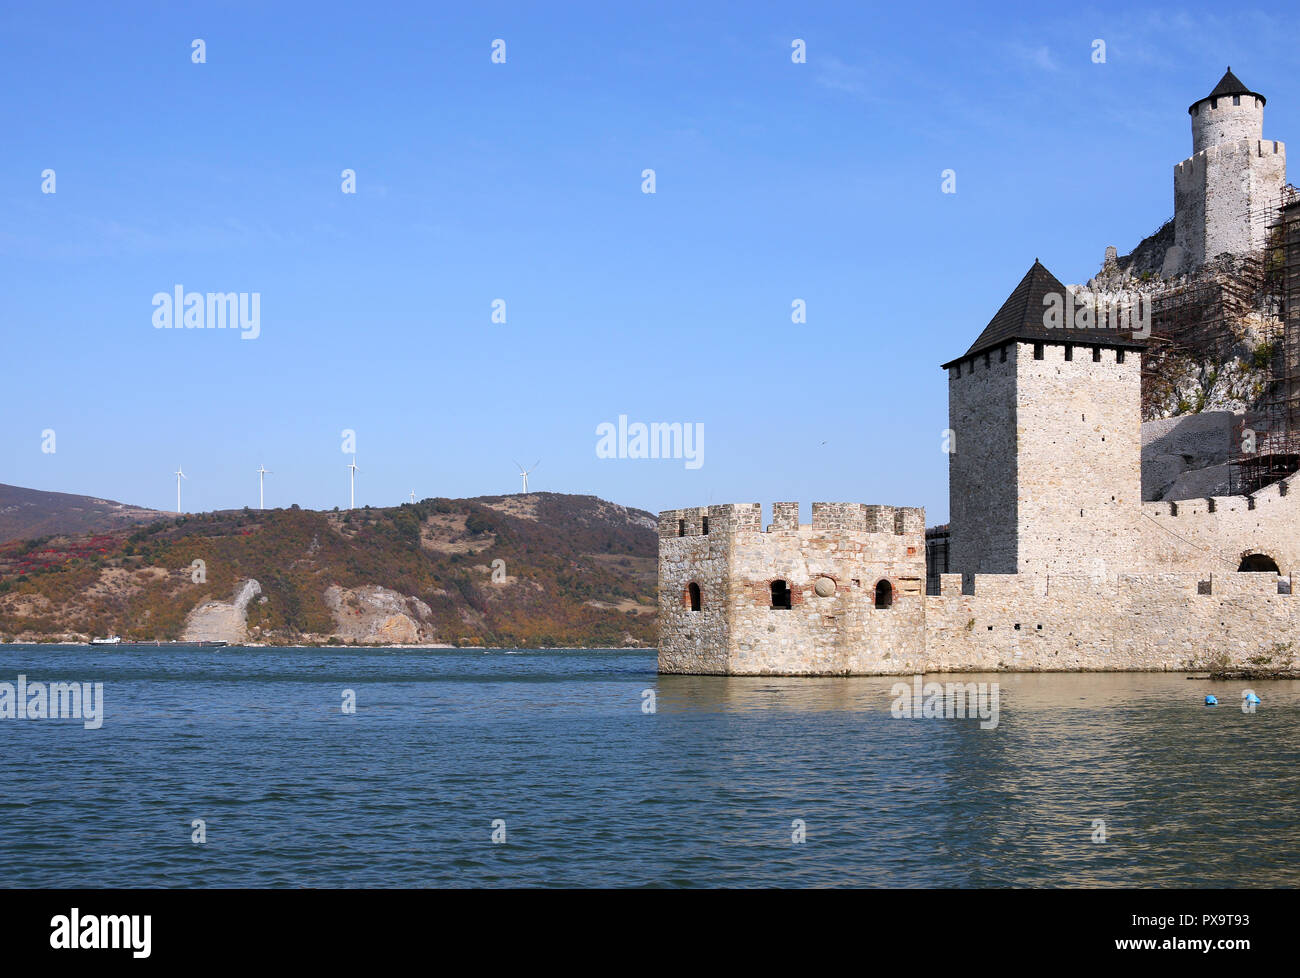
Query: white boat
(111, 640)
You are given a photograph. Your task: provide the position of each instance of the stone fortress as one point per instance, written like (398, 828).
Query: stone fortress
(1053, 559)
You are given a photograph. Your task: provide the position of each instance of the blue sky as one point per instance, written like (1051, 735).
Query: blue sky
(522, 181)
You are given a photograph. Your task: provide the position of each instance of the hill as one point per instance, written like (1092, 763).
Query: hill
(535, 570)
(26, 513)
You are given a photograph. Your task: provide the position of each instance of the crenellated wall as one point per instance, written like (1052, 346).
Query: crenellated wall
(1224, 196)
(1217, 533)
(1004, 622)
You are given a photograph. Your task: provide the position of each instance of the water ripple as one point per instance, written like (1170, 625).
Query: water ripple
(594, 792)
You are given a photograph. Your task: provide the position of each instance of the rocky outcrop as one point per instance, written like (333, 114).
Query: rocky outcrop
(376, 615)
(222, 621)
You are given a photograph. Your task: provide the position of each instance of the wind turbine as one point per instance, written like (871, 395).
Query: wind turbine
(353, 470)
(262, 472)
(179, 476)
(523, 472)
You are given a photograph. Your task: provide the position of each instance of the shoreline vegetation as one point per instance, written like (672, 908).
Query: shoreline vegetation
(359, 646)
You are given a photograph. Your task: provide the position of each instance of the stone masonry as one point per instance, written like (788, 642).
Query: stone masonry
(855, 581)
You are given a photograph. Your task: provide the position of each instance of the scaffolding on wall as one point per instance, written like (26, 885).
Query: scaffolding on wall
(1202, 321)
(1192, 321)
(1267, 447)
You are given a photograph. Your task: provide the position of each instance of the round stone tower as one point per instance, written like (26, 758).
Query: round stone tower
(1226, 192)
(1229, 113)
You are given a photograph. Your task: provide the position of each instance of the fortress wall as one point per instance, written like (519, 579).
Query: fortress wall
(842, 632)
(737, 630)
(982, 463)
(1242, 183)
(1268, 177)
(694, 641)
(1224, 196)
(1186, 536)
(1227, 199)
(1153, 622)
(1189, 209)
(1080, 458)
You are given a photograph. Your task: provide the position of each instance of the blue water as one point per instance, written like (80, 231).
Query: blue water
(594, 792)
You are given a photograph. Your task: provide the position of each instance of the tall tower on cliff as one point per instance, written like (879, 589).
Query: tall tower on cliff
(1225, 192)
(1044, 470)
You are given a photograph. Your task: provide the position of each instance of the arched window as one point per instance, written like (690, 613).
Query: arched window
(780, 594)
(693, 596)
(884, 594)
(1259, 562)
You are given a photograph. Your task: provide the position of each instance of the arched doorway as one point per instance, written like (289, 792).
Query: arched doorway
(884, 594)
(1261, 563)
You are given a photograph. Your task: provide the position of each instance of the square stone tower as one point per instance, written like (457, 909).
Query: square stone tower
(1226, 191)
(1045, 441)
(842, 596)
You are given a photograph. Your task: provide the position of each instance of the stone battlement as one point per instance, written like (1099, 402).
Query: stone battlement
(1259, 148)
(826, 518)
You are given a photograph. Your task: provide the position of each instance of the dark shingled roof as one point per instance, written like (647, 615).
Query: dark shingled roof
(1229, 84)
(1021, 318)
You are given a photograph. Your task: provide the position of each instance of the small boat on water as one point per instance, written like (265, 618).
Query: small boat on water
(159, 643)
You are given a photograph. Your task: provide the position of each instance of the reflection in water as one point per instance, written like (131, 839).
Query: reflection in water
(595, 792)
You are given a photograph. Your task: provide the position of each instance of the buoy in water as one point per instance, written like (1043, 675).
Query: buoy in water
(1251, 697)
(1211, 700)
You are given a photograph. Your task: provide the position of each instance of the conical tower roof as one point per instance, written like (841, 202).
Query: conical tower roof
(1229, 84)
(1021, 318)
